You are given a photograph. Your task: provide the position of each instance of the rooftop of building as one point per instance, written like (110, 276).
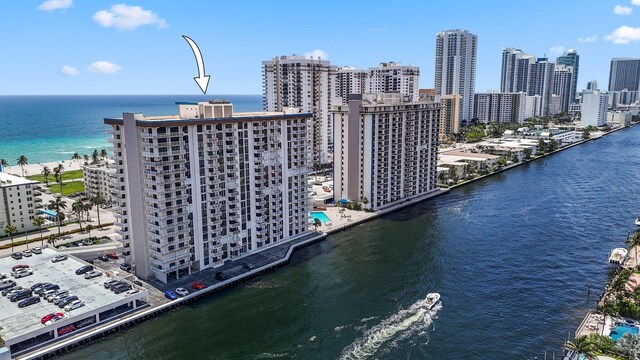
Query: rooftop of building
(465, 154)
(7, 180)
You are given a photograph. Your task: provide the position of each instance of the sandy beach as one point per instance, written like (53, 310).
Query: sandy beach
(34, 169)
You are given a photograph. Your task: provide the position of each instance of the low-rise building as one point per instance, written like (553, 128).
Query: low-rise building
(18, 202)
(97, 180)
(621, 117)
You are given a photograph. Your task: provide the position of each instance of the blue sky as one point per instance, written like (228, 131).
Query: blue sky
(135, 46)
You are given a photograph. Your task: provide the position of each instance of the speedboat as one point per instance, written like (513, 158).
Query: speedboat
(431, 300)
(638, 221)
(618, 256)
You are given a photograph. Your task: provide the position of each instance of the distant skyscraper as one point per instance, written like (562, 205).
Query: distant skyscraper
(306, 84)
(449, 115)
(350, 80)
(571, 58)
(624, 74)
(455, 69)
(562, 86)
(515, 70)
(541, 82)
(500, 107)
(592, 85)
(392, 77)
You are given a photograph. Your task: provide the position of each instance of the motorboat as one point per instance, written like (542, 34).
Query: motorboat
(431, 300)
(618, 256)
(638, 221)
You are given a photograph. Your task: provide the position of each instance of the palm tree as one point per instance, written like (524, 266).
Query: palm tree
(95, 156)
(58, 204)
(39, 221)
(97, 201)
(634, 242)
(629, 344)
(57, 173)
(76, 157)
(4, 164)
(104, 154)
(51, 240)
(46, 172)
(582, 346)
(78, 208)
(87, 208)
(22, 161)
(10, 230)
(317, 223)
(89, 227)
(365, 201)
(85, 157)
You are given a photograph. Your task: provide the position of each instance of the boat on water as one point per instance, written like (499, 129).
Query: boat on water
(638, 221)
(618, 256)
(431, 300)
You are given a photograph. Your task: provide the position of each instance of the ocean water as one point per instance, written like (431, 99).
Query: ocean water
(52, 128)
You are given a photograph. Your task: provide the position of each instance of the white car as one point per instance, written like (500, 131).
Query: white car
(59, 258)
(131, 292)
(26, 253)
(53, 320)
(22, 273)
(74, 305)
(182, 292)
(92, 274)
(36, 250)
(3, 276)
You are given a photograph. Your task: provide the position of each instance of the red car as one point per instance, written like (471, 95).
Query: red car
(19, 267)
(112, 256)
(66, 329)
(50, 316)
(198, 285)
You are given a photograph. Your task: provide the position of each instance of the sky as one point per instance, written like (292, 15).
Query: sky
(86, 47)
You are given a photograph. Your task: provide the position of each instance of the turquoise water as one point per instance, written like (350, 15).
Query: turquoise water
(320, 216)
(620, 330)
(52, 128)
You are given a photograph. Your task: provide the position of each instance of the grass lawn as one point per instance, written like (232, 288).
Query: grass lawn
(67, 175)
(67, 187)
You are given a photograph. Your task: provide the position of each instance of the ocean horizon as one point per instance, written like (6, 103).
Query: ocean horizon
(49, 128)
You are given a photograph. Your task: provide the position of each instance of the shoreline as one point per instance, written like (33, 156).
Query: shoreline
(35, 169)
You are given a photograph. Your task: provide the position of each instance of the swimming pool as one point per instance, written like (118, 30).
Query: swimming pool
(320, 216)
(620, 330)
(49, 212)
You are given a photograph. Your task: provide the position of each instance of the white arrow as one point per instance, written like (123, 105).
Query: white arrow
(202, 80)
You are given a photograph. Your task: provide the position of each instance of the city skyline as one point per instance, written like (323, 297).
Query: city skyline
(137, 47)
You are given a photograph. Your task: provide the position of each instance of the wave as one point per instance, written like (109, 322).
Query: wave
(414, 320)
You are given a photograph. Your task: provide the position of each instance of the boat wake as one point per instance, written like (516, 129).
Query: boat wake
(405, 323)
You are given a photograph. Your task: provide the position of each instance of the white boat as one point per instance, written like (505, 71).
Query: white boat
(618, 256)
(431, 300)
(638, 221)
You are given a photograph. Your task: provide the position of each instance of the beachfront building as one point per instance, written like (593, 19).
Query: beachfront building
(18, 202)
(500, 107)
(194, 190)
(386, 149)
(389, 77)
(306, 84)
(350, 80)
(623, 118)
(593, 109)
(563, 87)
(97, 180)
(449, 115)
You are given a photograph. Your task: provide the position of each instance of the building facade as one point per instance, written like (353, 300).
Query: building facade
(392, 77)
(386, 149)
(624, 74)
(500, 107)
(350, 80)
(514, 75)
(563, 82)
(18, 202)
(306, 84)
(622, 97)
(541, 82)
(592, 85)
(593, 109)
(97, 180)
(449, 114)
(570, 59)
(196, 190)
(455, 67)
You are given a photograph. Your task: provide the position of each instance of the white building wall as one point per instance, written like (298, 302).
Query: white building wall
(594, 109)
(18, 203)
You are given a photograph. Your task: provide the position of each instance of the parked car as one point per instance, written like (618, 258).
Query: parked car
(103, 258)
(48, 317)
(58, 293)
(7, 283)
(26, 253)
(35, 287)
(6, 291)
(137, 282)
(87, 242)
(198, 285)
(58, 258)
(121, 288)
(74, 305)
(92, 274)
(41, 290)
(248, 266)
(64, 299)
(221, 276)
(67, 301)
(113, 256)
(36, 250)
(22, 273)
(16, 256)
(18, 267)
(29, 301)
(85, 269)
(170, 295)
(20, 295)
(59, 296)
(131, 292)
(107, 284)
(15, 290)
(3, 276)
(90, 261)
(67, 329)
(54, 320)
(182, 292)
(125, 267)
(46, 294)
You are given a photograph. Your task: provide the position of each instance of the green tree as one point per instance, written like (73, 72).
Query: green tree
(634, 242)
(542, 147)
(582, 346)
(22, 161)
(58, 205)
(78, 208)
(76, 157)
(317, 223)
(629, 344)
(85, 157)
(553, 145)
(88, 228)
(365, 201)
(58, 171)
(97, 201)
(95, 156)
(10, 230)
(4, 164)
(104, 154)
(527, 153)
(442, 177)
(51, 239)
(46, 172)
(38, 222)
(586, 134)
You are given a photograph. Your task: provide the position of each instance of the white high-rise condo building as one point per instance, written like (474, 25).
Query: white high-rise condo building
(386, 149)
(541, 82)
(97, 180)
(515, 70)
(455, 68)
(18, 202)
(501, 107)
(593, 109)
(624, 74)
(350, 80)
(563, 80)
(571, 59)
(194, 190)
(392, 77)
(306, 84)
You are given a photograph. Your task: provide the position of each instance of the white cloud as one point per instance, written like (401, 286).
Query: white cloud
(317, 53)
(557, 50)
(51, 5)
(635, 2)
(622, 10)
(104, 67)
(624, 35)
(125, 17)
(69, 71)
(589, 39)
